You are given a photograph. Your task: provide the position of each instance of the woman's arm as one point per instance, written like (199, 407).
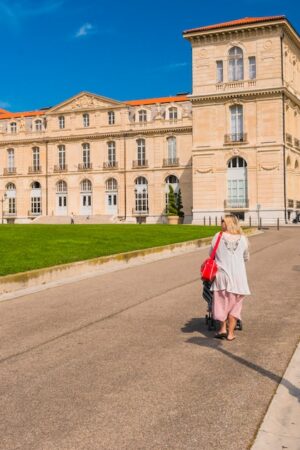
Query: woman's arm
(246, 251)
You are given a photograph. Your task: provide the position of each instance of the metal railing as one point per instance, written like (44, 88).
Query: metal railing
(235, 137)
(60, 168)
(34, 213)
(35, 169)
(110, 165)
(138, 212)
(9, 171)
(171, 162)
(236, 203)
(85, 166)
(139, 163)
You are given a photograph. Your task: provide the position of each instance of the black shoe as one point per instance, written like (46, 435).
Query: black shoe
(220, 336)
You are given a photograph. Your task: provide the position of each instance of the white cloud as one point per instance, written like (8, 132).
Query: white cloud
(85, 29)
(4, 105)
(13, 12)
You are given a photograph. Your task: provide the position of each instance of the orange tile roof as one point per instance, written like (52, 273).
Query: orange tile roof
(151, 101)
(10, 115)
(3, 111)
(238, 22)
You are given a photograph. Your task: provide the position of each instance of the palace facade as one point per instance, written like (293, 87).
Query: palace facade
(232, 145)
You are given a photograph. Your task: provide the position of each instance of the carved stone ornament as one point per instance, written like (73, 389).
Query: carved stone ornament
(269, 167)
(204, 170)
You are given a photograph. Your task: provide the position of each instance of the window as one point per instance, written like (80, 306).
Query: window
(142, 115)
(111, 184)
(11, 196)
(252, 67)
(38, 125)
(173, 113)
(237, 183)
(13, 127)
(111, 150)
(86, 120)
(111, 117)
(236, 64)
(10, 159)
(86, 155)
(62, 157)
(237, 126)
(61, 122)
(36, 158)
(220, 72)
(86, 186)
(172, 148)
(61, 187)
(36, 200)
(141, 152)
(141, 195)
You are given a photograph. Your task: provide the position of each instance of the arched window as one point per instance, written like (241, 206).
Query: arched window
(13, 127)
(111, 117)
(237, 183)
(173, 113)
(172, 150)
(236, 123)
(86, 186)
(296, 164)
(288, 161)
(38, 125)
(111, 184)
(61, 187)
(141, 195)
(11, 197)
(111, 153)
(142, 115)
(61, 122)
(36, 198)
(236, 64)
(141, 152)
(86, 120)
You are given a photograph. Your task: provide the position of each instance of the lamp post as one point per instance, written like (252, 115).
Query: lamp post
(2, 201)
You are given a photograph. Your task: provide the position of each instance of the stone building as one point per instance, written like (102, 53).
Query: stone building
(232, 145)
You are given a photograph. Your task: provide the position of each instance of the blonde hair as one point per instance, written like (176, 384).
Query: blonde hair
(232, 224)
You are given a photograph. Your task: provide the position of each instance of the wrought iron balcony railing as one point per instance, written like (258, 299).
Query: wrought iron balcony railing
(139, 163)
(85, 166)
(235, 138)
(238, 203)
(9, 171)
(110, 165)
(140, 212)
(35, 169)
(60, 168)
(171, 162)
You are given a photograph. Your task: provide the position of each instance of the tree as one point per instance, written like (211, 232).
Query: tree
(179, 205)
(172, 206)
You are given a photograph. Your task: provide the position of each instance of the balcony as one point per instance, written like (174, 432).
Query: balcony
(236, 203)
(85, 166)
(34, 213)
(110, 165)
(139, 164)
(171, 162)
(289, 139)
(138, 212)
(235, 138)
(60, 168)
(10, 213)
(35, 169)
(231, 85)
(9, 171)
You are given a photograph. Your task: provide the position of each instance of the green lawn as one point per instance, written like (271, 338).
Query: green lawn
(27, 247)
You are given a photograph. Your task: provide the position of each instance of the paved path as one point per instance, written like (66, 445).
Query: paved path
(124, 360)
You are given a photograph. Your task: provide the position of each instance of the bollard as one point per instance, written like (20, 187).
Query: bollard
(278, 224)
(204, 220)
(216, 221)
(260, 224)
(250, 222)
(209, 221)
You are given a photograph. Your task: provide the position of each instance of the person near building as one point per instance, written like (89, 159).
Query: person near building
(72, 219)
(230, 285)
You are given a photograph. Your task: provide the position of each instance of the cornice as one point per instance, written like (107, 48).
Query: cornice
(236, 94)
(96, 136)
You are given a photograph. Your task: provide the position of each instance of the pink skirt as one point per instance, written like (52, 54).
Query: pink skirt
(225, 303)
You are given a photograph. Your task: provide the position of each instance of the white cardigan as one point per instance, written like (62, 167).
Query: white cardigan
(230, 258)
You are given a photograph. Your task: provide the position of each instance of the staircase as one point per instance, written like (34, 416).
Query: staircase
(60, 220)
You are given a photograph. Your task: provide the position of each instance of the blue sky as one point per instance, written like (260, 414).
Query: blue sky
(123, 49)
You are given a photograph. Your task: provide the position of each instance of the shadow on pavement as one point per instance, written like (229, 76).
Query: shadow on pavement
(198, 325)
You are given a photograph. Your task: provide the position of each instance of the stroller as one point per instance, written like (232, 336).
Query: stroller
(209, 320)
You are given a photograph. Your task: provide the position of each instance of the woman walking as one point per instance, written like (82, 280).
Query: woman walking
(230, 285)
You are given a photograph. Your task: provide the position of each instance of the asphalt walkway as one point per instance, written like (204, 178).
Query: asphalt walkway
(124, 360)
